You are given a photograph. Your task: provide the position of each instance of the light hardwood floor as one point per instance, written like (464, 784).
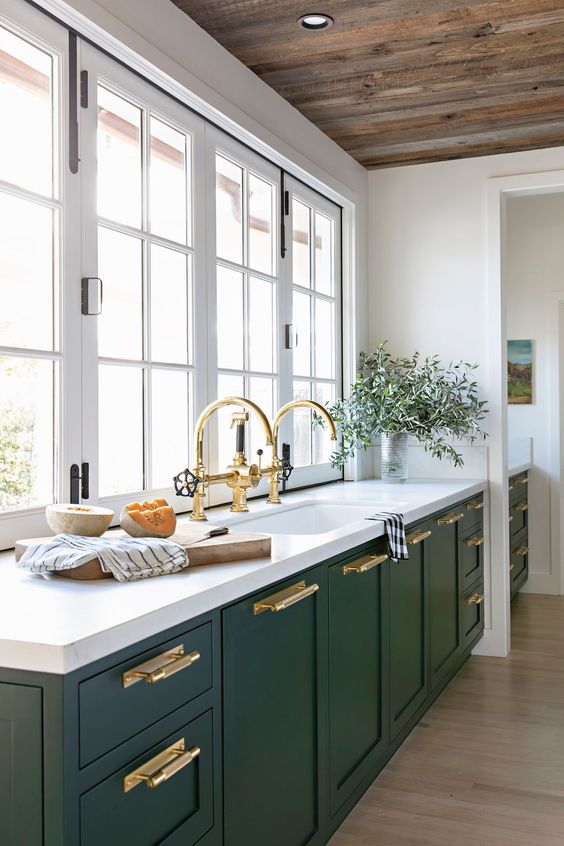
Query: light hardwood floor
(485, 767)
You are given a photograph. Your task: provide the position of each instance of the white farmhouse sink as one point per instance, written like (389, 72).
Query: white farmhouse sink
(311, 518)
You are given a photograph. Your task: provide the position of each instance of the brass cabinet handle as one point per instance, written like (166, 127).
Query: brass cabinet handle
(510, 517)
(475, 505)
(363, 565)
(475, 599)
(522, 481)
(510, 488)
(511, 566)
(417, 537)
(477, 540)
(522, 551)
(162, 767)
(449, 519)
(161, 667)
(285, 598)
(522, 506)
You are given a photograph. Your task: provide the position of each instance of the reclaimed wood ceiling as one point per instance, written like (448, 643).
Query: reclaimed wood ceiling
(398, 82)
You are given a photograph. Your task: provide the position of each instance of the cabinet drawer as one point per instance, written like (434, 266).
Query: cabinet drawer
(473, 519)
(519, 560)
(122, 701)
(472, 558)
(518, 486)
(472, 614)
(518, 518)
(176, 806)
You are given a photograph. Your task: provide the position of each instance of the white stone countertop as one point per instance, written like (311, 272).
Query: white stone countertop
(514, 469)
(54, 625)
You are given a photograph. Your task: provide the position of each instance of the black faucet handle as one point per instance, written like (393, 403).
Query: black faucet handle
(186, 483)
(285, 463)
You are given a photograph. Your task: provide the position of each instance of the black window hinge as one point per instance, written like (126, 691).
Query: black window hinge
(84, 89)
(79, 482)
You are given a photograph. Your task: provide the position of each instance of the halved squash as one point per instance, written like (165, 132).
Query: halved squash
(154, 519)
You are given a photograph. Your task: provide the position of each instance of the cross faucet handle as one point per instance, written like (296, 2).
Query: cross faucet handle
(186, 483)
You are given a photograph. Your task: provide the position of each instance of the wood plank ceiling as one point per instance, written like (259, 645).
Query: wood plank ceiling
(397, 82)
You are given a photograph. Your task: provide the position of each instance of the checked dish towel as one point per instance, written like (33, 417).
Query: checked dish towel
(395, 532)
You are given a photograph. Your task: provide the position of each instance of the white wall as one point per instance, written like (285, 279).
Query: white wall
(533, 274)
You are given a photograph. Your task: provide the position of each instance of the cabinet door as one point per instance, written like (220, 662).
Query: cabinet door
(21, 766)
(356, 720)
(441, 554)
(271, 644)
(407, 634)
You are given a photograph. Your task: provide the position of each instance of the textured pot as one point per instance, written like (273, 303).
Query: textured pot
(393, 466)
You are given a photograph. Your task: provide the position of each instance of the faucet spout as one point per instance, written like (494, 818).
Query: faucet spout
(215, 406)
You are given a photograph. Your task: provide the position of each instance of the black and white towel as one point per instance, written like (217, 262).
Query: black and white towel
(395, 533)
(126, 558)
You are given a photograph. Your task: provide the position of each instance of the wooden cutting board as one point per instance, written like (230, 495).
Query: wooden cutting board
(234, 546)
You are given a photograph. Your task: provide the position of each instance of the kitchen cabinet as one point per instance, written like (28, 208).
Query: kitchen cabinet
(441, 552)
(518, 532)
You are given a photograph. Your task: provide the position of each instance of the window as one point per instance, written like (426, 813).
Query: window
(183, 226)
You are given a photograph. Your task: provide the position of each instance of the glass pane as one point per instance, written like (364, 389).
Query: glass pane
(170, 432)
(260, 224)
(261, 391)
(229, 210)
(323, 254)
(26, 141)
(169, 305)
(324, 446)
(26, 274)
(300, 244)
(302, 327)
(324, 339)
(261, 328)
(119, 158)
(27, 433)
(168, 186)
(301, 455)
(230, 321)
(227, 386)
(120, 417)
(120, 265)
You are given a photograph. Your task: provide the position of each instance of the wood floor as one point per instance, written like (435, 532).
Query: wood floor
(485, 767)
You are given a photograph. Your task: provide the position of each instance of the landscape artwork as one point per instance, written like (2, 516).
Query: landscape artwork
(520, 372)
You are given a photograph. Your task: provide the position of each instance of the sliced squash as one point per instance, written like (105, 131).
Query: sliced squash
(154, 519)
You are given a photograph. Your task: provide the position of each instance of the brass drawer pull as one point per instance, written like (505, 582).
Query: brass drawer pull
(363, 565)
(510, 517)
(475, 505)
(523, 506)
(510, 488)
(285, 598)
(449, 519)
(511, 566)
(475, 599)
(161, 667)
(417, 537)
(522, 481)
(476, 541)
(522, 551)
(162, 767)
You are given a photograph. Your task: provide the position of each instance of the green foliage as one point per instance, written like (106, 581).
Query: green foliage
(16, 449)
(414, 395)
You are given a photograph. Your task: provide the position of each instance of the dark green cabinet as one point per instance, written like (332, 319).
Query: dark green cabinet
(271, 734)
(441, 552)
(357, 635)
(21, 765)
(518, 532)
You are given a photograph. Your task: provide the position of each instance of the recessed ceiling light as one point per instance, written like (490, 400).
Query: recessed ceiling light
(315, 21)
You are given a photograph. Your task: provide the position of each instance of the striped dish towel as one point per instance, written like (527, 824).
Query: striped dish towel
(395, 533)
(126, 558)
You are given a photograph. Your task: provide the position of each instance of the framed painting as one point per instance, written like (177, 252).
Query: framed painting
(520, 372)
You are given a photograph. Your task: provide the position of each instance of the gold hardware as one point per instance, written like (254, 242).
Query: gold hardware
(510, 518)
(285, 598)
(522, 480)
(522, 551)
(475, 505)
(417, 537)
(161, 667)
(477, 540)
(363, 565)
(522, 506)
(475, 599)
(511, 566)
(510, 488)
(162, 767)
(449, 519)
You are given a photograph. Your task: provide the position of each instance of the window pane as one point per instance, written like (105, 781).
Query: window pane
(170, 433)
(300, 244)
(260, 391)
(119, 159)
(26, 274)
(301, 451)
(230, 320)
(261, 329)
(26, 140)
(324, 446)
(229, 210)
(120, 266)
(168, 189)
(260, 224)
(227, 386)
(302, 326)
(169, 305)
(27, 432)
(120, 418)
(323, 254)
(324, 339)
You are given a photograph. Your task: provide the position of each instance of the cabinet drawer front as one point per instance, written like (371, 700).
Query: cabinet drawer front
(441, 555)
(472, 558)
(519, 559)
(179, 809)
(122, 701)
(518, 487)
(519, 518)
(473, 519)
(472, 614)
